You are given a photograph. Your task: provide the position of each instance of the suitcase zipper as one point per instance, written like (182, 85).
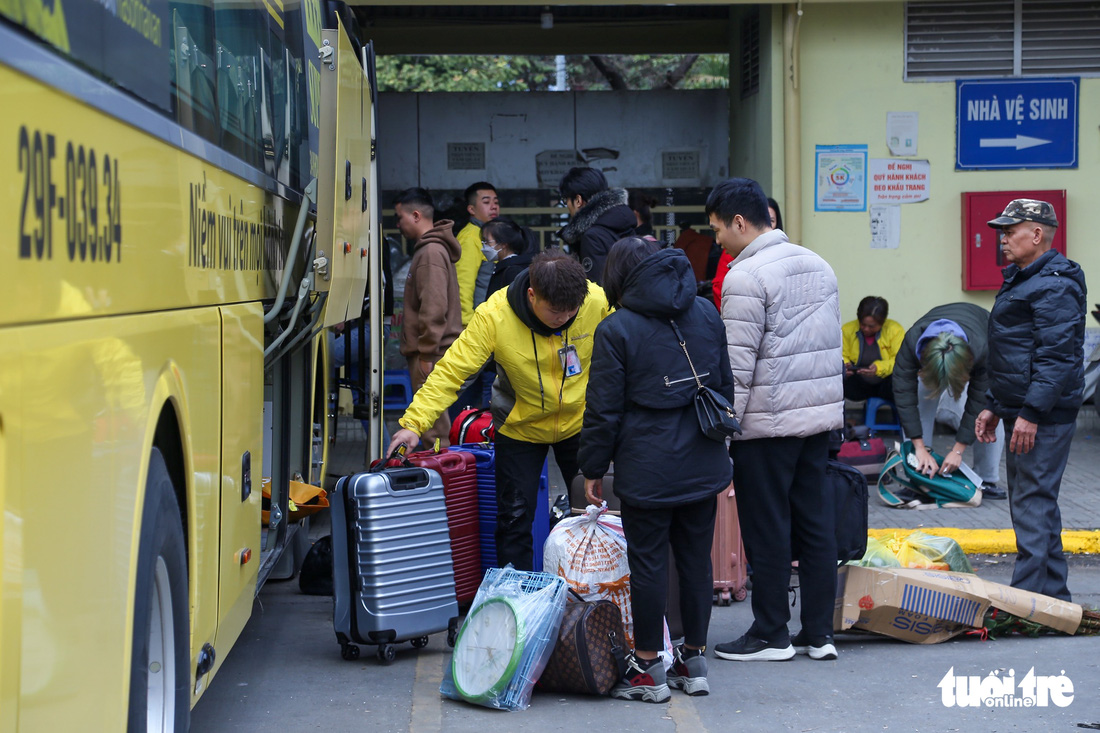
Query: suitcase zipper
(582, 652)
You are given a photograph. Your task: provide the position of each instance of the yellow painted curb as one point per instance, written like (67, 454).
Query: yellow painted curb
(992, 541)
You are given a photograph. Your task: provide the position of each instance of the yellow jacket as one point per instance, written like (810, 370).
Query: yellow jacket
(548, 407)
(467, 266)
(889, 341)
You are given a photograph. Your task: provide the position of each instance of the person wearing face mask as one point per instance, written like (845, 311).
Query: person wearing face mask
(504, 243)
(539, 330)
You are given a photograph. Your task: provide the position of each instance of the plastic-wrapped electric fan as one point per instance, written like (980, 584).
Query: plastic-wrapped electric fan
(506, 639)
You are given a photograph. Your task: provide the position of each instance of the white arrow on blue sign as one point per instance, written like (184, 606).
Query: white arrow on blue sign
(1017, 123)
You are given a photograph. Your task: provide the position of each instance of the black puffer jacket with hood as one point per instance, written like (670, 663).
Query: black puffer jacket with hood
(1036, 342)
(640, 408)
(602, 221)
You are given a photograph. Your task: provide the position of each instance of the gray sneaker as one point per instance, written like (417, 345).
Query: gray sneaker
(648, 685)
(689, 675)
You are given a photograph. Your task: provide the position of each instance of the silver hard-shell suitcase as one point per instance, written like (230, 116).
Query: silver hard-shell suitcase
(393, 579)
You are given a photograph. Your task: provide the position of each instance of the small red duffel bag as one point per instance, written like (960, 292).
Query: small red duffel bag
(867, 455)
(472, 426)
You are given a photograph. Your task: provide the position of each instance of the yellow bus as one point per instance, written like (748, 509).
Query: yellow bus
(190, 203)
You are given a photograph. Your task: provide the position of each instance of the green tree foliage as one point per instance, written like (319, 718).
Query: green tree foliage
(538, 74)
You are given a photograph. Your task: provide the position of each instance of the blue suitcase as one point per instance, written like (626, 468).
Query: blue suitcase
(393, 578)
(485, 454)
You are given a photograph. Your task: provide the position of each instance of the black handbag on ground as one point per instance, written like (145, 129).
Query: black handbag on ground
(715, 413)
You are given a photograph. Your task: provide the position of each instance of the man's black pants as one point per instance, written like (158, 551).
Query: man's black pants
(782, 499)
(518, 467)
(689, 528)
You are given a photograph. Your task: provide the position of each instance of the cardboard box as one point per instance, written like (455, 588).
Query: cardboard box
(930, 606)
(1061, 615)
(918, 606)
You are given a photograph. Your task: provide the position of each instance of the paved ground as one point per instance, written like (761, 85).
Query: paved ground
(286, 674)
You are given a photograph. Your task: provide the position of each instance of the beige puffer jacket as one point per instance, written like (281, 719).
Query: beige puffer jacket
(782, 316)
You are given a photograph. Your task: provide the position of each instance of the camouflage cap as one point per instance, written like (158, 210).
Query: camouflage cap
(1026, 210)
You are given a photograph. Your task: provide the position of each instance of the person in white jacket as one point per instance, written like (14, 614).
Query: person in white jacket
(782, 318)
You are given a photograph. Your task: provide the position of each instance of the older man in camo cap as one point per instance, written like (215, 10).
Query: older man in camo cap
(1036, 381)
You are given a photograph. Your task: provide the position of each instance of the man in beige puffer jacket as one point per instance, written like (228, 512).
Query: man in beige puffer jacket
(782, 317)
(433, 311)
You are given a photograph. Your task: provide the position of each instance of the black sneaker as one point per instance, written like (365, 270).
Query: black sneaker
(690, 674)
(993, 491)
(819, 648)
(751, 649)
(642, 683)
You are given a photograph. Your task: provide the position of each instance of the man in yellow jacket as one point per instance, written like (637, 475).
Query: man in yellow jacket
(539, 331)
(483, 205)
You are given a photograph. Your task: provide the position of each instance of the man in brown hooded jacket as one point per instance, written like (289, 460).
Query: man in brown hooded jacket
(433, 310)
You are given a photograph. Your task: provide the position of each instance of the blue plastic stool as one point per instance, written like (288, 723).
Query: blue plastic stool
(874, 404)
(397, 390)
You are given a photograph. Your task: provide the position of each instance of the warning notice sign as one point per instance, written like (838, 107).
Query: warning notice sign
(893, 181)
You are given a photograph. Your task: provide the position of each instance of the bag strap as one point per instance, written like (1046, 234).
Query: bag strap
(892, 460)
(398, 454)
(683, 345)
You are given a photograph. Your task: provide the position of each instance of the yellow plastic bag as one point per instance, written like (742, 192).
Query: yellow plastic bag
(878, 555)
(920, 550)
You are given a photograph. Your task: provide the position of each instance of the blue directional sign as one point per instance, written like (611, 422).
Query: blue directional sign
(1018, 123)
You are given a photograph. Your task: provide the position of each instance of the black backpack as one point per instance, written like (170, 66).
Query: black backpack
(316, 576)
(849, 491)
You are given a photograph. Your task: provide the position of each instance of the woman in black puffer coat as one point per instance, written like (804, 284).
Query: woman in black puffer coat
(640, 413)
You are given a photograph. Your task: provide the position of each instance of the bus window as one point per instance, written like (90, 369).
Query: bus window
(192, 64)
(240, 32)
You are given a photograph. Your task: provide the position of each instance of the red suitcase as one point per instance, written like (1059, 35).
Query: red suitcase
(727, 555)
(459, 473)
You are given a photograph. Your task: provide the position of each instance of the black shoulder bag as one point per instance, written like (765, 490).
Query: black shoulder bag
(715, 413)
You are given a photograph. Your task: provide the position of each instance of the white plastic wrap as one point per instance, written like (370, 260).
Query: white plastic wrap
(506, 639)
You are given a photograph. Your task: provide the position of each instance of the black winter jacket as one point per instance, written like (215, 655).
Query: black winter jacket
(639, 408)
(974, 321)
(506, 270)
(1036, 342)
(601, 222)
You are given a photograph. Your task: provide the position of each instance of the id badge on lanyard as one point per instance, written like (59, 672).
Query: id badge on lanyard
(570, 360)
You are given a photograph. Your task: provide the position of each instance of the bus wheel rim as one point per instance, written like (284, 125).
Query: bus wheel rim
(161, 672)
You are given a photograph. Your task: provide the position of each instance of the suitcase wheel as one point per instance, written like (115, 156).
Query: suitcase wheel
(420, 642)
(741, 594)
(723, 598)
(452, 634)
(386, 653)
(349, 652)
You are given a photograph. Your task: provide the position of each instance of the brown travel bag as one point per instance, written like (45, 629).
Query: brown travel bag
(588, 657)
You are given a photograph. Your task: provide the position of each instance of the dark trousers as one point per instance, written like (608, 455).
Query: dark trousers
(1034, 479)
(518, 467)
(857, 389)
(782, 499)
(690, 530)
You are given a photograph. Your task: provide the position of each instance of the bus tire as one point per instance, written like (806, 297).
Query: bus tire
(160, 679)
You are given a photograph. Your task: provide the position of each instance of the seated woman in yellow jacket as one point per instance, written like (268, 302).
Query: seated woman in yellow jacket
(870, 344)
